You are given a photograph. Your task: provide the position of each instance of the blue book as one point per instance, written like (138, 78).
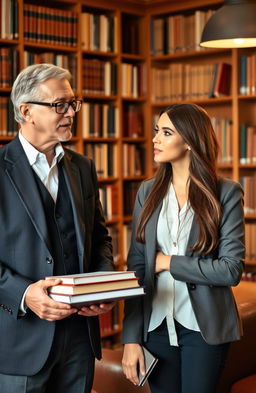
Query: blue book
(243, 75)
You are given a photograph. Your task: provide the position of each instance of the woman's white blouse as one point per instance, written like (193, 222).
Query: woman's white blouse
(171, 298)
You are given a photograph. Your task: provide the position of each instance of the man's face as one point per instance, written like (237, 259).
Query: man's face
(48, 125)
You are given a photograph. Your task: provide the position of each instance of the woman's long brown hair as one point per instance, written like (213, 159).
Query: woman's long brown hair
(194, 125)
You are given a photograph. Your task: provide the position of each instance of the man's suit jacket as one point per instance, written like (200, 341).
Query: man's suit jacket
(25, 255)
(208, 277)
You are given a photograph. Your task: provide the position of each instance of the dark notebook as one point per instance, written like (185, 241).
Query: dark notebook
(150, 362)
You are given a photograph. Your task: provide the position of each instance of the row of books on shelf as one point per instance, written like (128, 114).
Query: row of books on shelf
(99, 77)
(62, 60)
(109, 200)
(115, 235)
(247, 74)
(100, 120)
(130, 189)
(247, 144)
(130, 34)
(132, 121)
(84, 289)
(178, 81)
(8, 125)
(50, 25)
(249, 185)
(223, 129)
(127, 234)
(9, 19)
(134, 80)
(250, 244)
(98, 32)
(110, 321)
(104, 156)
(9, 63)
(178, 33)
(133, 159)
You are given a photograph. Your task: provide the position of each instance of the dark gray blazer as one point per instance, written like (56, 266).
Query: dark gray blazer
(25, 255)
(208, 277)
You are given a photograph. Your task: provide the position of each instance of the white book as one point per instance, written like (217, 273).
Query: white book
(93, 277)
(150, 362)
(87, 299)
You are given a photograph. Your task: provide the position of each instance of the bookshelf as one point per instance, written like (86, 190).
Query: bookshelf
(121, 56)
(189, 72)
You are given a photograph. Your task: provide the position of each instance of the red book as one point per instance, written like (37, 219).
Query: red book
(223, 82)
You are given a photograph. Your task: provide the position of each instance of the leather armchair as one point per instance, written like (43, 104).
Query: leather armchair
(109, 377)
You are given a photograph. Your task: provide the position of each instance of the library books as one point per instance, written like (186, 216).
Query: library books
(181, 81)
(92, 277)
(50, 25)
(97, 297)
(95, 287)
(112, 285)
(247, 74)
(98, 32)
(177, 33)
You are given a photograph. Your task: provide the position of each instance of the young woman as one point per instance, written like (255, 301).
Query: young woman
(187, 248)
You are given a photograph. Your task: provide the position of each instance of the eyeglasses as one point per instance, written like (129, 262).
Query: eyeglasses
(60, 107)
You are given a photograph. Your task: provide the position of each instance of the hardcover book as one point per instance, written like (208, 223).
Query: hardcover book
(87, 299)
(150, 362)
(64, 289)
(92, 277)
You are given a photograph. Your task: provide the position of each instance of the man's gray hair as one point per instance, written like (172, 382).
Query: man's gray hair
(26, 86)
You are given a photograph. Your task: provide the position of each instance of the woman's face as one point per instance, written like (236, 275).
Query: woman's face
(168, 144)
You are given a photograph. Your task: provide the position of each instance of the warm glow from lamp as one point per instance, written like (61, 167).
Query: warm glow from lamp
(231, 26)
(231, 43)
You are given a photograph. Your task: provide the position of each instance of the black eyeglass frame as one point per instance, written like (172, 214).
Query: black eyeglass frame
(55, 105)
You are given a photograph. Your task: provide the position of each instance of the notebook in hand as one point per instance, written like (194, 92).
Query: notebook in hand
(150, 362)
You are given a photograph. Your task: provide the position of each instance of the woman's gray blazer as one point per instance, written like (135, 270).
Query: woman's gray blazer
(208, 277)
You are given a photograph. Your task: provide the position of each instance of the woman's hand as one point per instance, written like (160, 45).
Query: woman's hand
(163, 262)
(96, 309)
(133, 362)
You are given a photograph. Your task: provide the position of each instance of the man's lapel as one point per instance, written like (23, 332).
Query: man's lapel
(73, 180)
(22, 179)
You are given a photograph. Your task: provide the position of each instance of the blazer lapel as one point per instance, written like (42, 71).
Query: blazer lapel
(150, 235)
(21, 176)
(72, 176)
(193, 236)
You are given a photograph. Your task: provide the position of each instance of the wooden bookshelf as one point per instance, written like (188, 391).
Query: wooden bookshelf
(114, 39)
(237, 107)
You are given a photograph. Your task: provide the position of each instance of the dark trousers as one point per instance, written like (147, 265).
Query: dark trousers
(193, 367)
(69, 368)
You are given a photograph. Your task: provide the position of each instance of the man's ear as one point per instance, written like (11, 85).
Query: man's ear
(25, 112)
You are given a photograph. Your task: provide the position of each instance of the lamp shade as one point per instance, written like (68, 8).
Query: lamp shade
(232, 26)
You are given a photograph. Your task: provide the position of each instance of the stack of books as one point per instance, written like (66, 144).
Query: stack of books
(91, 288)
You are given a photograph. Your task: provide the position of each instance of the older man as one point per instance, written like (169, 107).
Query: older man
(51, 223)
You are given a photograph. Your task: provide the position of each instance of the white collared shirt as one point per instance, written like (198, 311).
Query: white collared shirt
(171, 298)
(37, 160)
